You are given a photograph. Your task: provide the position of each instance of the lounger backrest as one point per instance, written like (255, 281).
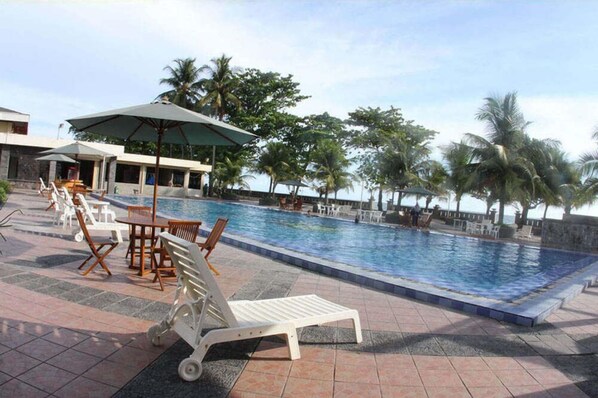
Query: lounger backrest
(42, 186)
(88, 214)
(215, 234)
(54, 189)
(197, 279)
(67, 196)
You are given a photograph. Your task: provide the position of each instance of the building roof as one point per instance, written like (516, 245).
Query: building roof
(10, 111)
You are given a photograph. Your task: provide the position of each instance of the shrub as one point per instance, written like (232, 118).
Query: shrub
(229, 196)
(268, 201)
(3, 196)
(5, 185)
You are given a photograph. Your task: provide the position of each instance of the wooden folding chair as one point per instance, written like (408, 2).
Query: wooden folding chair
(99, 248)
(135, 235)
(187, 230)
(212, 240)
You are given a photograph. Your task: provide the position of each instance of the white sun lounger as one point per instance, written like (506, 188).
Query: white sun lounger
(199, 297)
(94, 225)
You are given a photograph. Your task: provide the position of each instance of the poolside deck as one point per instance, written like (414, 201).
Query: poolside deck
(65, 335)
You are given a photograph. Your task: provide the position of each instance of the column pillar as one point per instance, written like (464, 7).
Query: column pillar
(142, 176)
(4, 160)
(52, 172)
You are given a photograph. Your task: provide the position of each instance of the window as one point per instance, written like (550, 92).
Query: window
(195, 181)
(127, 173)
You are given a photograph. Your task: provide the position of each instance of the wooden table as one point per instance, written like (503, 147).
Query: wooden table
(143, 222)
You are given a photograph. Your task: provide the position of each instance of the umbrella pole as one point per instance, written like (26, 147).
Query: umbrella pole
(156, 172)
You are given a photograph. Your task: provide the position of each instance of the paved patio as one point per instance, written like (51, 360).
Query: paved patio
(66, 335)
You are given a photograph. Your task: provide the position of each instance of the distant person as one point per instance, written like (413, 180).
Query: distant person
(415, 214)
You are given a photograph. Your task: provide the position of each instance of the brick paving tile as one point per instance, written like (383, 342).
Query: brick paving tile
(41, 349)
(279, 367)
(401, 376)
(4, 348)
(246, 394)
(12, 338)
(534, 363)
(312, 370)
(47, 377)
(565, 391)
(479, 378)
(447, 392)
(300, 388)
(4, 378)
(356, 374)
(98, 347)
(16, 388)
(468, 363)
(74, 361)
(261, 383)
(356, 359)
(14, 363)
(440, 378)
(82, 387)
(515, 378)
(549, 376)
(112, 373)
(490, 392)
(356, 390)
(403, 392)
(502, 363)
(65, 337)
(431, 362)
(133, 357)
(315, 354)
(533, 391)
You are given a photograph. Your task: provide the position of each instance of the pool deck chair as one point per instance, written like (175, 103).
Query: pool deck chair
(94, 225)
(164, 268)
(198, 298)
(100, 248)
(212, 240)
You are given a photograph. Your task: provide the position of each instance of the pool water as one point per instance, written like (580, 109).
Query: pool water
(467, 265)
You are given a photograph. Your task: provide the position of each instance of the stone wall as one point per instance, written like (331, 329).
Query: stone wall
(573, 232)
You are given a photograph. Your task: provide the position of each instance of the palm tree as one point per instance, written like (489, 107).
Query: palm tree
(458, 157)
(500, 162)
(434, 179)
(230, 173)
(330, 164)
(272, 161)
(218, 87)
(589, 169)
(184, 82)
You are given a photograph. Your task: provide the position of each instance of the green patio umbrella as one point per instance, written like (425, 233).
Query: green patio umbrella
(75, 149)
(164, 123)
(57, 157)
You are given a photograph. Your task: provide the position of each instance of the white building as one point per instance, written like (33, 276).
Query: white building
(124, 172)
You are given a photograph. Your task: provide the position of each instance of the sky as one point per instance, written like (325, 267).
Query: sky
(436, 61)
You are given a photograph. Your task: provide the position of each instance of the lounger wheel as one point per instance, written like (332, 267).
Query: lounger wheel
(154, 334)
(79, 236)
(190, 369)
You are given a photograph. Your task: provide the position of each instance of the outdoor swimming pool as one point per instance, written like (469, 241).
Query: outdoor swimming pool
(467, 265)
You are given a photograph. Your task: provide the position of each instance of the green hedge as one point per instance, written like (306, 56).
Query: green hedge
(5, 189)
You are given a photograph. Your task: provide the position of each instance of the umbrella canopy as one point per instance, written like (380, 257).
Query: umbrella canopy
(417, 191)
(77, 149)
(56, 157)
(162, 122)
(293, 183)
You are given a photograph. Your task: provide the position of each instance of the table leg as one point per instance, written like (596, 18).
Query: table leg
(132, 243)
(142, 252)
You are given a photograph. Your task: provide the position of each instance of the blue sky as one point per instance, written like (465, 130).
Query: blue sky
(434, 60)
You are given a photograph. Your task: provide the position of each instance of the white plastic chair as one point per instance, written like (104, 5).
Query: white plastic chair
(198, 298)
(63, 211)
(43, 189)
(321, 208)
(494, 231)
(375, 216)
(524, 233)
